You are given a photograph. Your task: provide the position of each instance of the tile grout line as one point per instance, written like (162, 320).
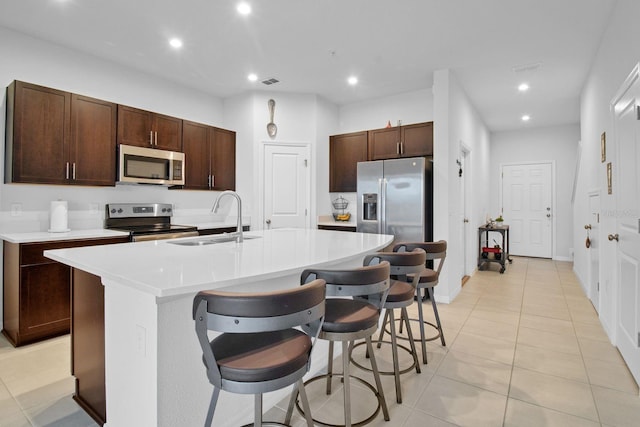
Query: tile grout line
(584, 364)
(515, 347)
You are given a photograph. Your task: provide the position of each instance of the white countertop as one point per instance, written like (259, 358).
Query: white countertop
(99, 233)
(330, 221)
(44, 236)
(163, 269)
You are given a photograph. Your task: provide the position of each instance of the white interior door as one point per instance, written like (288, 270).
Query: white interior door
(286, 183)
(625, 239)
(527, 208)
(593, 234)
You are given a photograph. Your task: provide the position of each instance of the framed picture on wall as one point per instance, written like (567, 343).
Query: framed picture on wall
(603, 147)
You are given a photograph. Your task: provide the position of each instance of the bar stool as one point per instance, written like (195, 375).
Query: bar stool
(402, 264)
(437, 252)
(349, 319)
(259, 350)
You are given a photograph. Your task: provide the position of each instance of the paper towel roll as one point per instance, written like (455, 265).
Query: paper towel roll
(58, 217)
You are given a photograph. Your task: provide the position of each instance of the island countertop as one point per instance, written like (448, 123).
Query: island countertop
(138, 342)
(164, 269)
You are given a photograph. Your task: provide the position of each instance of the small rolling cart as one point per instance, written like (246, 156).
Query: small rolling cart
(488, 253)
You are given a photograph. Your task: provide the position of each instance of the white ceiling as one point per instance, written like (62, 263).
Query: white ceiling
(312, 46)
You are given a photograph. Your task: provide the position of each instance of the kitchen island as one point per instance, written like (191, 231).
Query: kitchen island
(152, 360)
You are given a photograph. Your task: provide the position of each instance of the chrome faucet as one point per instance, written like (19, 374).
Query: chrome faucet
(216, 205)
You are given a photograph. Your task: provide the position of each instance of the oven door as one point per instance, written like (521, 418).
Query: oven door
(163, 236)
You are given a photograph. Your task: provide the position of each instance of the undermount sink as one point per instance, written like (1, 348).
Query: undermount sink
(210, 240)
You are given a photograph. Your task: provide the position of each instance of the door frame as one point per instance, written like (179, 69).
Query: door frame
(594, 292)
(468, 235)
(554, 225)
(260, 187)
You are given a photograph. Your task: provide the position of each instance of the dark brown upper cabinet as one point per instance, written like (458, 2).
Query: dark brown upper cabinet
(147, 129)
(93, 141)
(345, 151)
(414, 140)
(223, 160)
(55, 137)
(210, 156)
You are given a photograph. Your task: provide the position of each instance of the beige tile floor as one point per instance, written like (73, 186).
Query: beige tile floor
(524, 348)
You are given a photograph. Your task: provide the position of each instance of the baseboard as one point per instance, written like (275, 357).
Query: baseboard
(562, 258)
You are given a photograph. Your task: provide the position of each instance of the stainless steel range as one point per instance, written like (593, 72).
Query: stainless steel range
(145, 221)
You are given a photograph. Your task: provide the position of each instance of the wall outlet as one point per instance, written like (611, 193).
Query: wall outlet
(16, 209)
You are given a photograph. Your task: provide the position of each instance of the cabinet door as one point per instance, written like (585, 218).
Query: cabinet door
(93, 141)
(167, 132)
(134, 127)
(417, 140)
(345, 151)
(45, 298)
(384, 143)
(223, 159)
(40, 129)
(195, 142)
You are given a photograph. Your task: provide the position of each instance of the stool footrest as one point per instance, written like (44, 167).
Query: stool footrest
(433, 338)
(402, 371)
(353, 424)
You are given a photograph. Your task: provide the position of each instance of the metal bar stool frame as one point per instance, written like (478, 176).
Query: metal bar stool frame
(236, 314)
(402, 264)
(374, 284)
(436, 251)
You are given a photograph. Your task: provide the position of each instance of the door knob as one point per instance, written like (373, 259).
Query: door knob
(268, 221)
(466, 220)
(548, 215)
(587, 227)
(612, 237)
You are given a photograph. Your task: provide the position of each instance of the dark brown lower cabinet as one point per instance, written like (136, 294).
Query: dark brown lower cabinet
(37, 290)
(87, 344)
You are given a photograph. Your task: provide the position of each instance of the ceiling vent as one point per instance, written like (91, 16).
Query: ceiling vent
(527, 67)
(270, 81)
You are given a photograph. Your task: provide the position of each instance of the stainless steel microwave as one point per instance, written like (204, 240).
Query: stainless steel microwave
(139, 165)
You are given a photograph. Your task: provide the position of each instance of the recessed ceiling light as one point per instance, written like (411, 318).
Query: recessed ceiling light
(526, 118)
(175, 43)
(523, 87)
(353, 80)
(243, 8)
(252, 77)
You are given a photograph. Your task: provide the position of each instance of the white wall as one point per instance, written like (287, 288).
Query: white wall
(300, 118)
(557, 144)
(617, 55)
(409, 107)
(457, 123)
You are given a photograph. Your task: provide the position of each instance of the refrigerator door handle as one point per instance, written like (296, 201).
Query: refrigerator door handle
(382, 224)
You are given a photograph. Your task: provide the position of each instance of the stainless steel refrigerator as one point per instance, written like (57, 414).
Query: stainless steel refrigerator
(396, 197)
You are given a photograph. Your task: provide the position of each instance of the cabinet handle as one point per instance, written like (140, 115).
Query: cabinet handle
(401, 147)
(66, 173)
(397, 148)
(209, 181)
(156, 138)
(213, 181)
(151, 137)
(74, 171)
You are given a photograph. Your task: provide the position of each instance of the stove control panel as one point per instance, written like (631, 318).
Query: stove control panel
(137, 210)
